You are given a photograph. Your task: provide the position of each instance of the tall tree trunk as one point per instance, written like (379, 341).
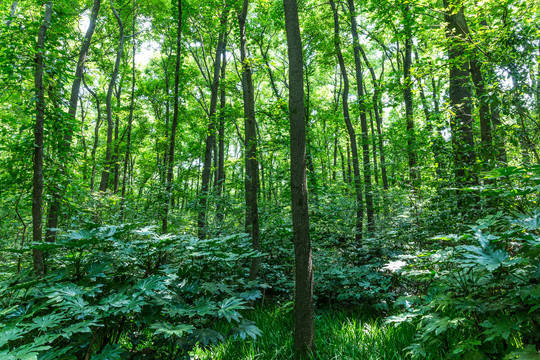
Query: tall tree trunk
(37, 194)
(377, 111)
(374, 146)
(130, 120)
(54, 206)
(303, 301)
(210, 138)
(174, 125)
(250, 145)
(116, 149)
(103, 185)
(83, 140)
(461, 122)
(96, 134)
(220, 179)
(408, 97)
(350, 128)
(363, 120)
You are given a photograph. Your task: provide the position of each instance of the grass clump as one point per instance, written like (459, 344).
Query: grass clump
(339, 335)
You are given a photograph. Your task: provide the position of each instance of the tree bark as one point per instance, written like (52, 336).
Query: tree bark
(377, 111)
(350, 128)
(210, 138)
(37, 194)
(250, 145)
(54, 206)
(408, 98)
(363, 120)
(174, 125)
(220, 178)
(104, 183)
(303, 301)
(460, 100)
(96, 134)
(130, 120)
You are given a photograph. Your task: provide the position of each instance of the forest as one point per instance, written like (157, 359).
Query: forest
(259, 179)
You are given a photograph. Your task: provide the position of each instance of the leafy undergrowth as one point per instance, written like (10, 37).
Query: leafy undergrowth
(338, 335)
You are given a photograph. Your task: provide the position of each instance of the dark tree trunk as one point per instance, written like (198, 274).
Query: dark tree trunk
(96, 135)
(37, 194)
(174, 125)
(104, 184)
(130, 120)
(374, 146)
(408, 97)
(210, 138)
(350, 128)
(116, 149)
(250, 145)
(303, 301)
(54, 206)
(220, 179)
(461, 122)
(83, 141)
(377, 112)
(363, 120)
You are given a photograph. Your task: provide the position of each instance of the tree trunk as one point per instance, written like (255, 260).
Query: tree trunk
(130, 120)
(377, 112)
(210, 138)
(174, 125)
(408, 98)
(96, 134)
(221, 141)
(303, 301)
(37, 194)
(54, 206)
(363, 120)
(104, 184)
(250, 145)
(461, 122)
(350, 128)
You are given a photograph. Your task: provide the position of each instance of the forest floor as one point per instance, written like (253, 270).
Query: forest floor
(339, 335)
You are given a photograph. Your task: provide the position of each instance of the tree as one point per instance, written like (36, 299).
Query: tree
(174, 125)
(363, 119)
(350, 128)
(37, 195)
(54, 206)
(303, 299)
(211, 136)
(461, 122)
(109, 160)
(250, 143)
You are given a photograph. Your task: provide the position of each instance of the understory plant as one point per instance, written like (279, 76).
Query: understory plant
(122, 292)
(483, 298)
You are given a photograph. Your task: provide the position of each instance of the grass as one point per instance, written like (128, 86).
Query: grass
(339, 335)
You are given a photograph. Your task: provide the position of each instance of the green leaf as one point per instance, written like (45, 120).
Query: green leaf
(110, 352)
(10, 334)
(246, 328)
(167, 329)
(228, 309)
(208, 336)
(47, 321)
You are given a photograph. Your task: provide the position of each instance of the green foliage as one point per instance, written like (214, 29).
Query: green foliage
(113, 292)
(484, 287)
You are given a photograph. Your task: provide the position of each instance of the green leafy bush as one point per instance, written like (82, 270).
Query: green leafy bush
(118, 292)
(484, 292)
